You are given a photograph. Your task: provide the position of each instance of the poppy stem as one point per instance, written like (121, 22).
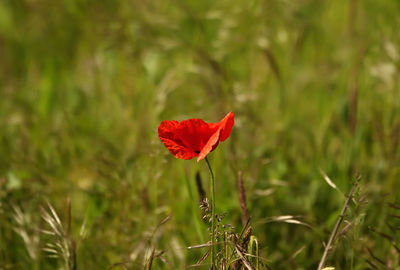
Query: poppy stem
(212, 213)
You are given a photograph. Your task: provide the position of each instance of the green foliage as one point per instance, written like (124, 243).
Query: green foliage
(84, 85)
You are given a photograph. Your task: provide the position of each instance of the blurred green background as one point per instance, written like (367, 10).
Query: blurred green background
(84, 84)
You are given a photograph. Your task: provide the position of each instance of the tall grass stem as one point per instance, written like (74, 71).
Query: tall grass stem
(337, 225)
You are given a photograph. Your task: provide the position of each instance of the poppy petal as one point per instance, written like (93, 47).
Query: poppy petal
(210, 145)
(177, 150)
(167, 134)
(194, 133)
(226, 125)
(167, 128)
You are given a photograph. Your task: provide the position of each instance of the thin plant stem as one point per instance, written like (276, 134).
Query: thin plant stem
(212, 187)
(194, 207)
(337, 225)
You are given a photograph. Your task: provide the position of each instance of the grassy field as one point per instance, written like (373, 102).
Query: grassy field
(84, 84)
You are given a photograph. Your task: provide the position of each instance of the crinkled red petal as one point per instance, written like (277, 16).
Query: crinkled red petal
(167, 134)
(177, 150)
(195, 133)
(210, 145)
(226, 125)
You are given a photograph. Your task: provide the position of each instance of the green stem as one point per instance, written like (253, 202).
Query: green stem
(212, 213)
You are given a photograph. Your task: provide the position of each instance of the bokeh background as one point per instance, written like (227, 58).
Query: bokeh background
(84, 84)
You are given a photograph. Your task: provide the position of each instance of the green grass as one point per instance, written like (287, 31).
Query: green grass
(84, 84)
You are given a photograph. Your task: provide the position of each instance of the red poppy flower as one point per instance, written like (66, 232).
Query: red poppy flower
(194, 137)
